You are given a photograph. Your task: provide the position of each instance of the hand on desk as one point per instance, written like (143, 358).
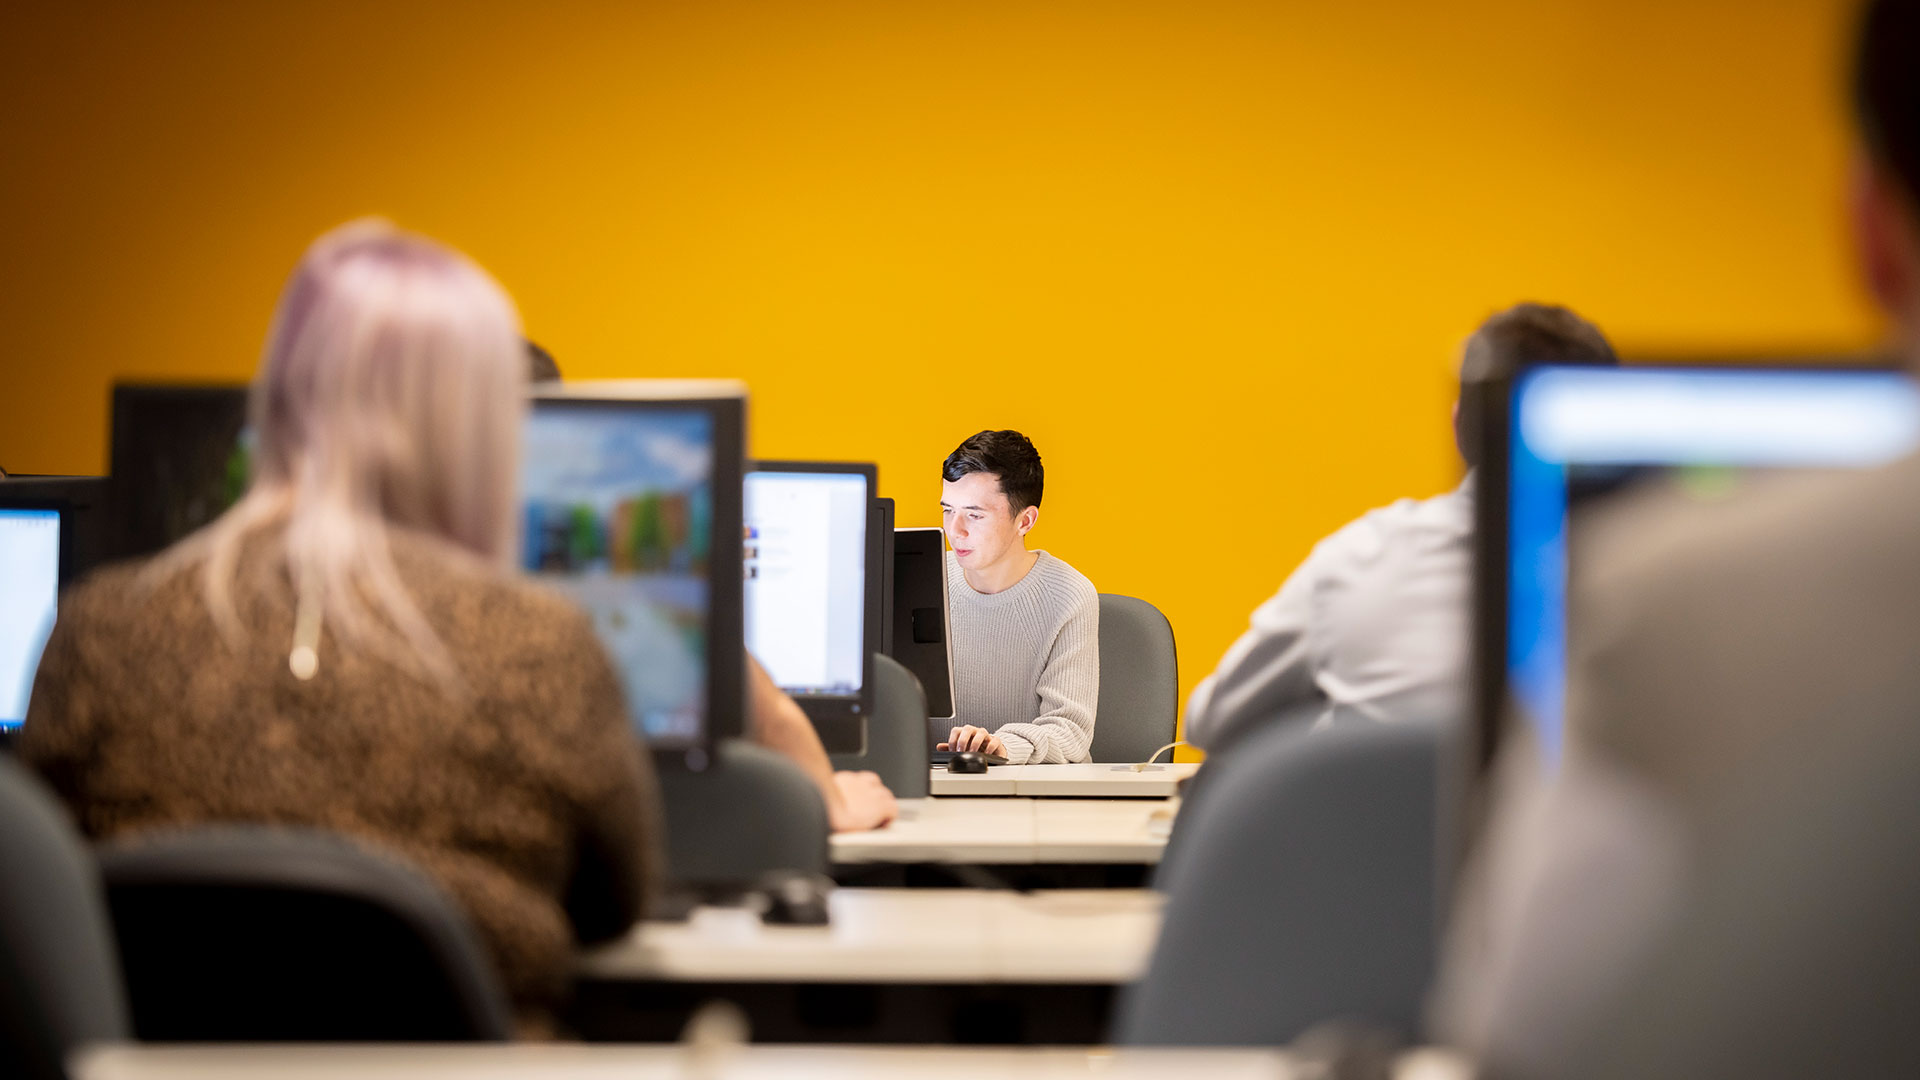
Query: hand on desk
(865, 803)
(969, 737)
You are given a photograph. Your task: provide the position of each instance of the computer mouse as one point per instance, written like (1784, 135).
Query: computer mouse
(796, 899)
(967, 761)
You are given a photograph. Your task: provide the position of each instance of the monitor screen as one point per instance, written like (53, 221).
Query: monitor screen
(181, 455)
(1578, 438)
(625, 511)
(30, 581)
(806, 578)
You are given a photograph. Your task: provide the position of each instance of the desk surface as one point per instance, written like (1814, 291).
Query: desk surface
(575, 1061)
(1097, 937)
(1016, 831)
(1095, 780)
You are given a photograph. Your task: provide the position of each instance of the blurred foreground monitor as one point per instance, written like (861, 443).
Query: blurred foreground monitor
(631, 505)
(1567, 445)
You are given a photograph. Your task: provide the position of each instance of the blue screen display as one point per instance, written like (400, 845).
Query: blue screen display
(1708, 430)
(29, 588)
(617, 506)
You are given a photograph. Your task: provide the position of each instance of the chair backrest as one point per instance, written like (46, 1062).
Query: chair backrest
(1139, 681)
(898, 738)
(748, 813)
(59, 979)
(265, 934)
(1303, 893)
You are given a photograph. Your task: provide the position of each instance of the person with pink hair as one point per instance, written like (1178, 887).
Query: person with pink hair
(349, 647)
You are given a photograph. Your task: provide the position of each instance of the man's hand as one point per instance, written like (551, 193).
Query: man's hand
(865, 803)
(969, 737)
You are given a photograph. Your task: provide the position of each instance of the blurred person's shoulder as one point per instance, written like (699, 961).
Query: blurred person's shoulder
(1400, 528)
(487, 608)
(1728, 641)
(1818, 527)
(128, 609)
(1059, 577)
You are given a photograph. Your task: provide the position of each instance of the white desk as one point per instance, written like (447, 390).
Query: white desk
(1014, 831)
(1073, 936)
(1093, 780)
(576, 1061)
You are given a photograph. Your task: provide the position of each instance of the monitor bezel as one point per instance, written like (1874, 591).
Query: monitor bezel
(78, 499)
(841, 719)
(726, 402)
(946, 613)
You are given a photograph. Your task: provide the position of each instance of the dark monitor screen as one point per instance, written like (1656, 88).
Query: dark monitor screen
(631, 494)
(922, 638)
(180, 457)
(808, 565)
(1577, 439)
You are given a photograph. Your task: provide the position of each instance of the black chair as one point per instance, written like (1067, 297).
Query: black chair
(749, 814)
(59, 981)
(898, 738)
(267, 934)
(1303, 891)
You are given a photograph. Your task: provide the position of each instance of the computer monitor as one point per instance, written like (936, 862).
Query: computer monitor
(30, 543)
(51, 530)
(922, 637)
(181, 455)
(631, 500)
(1567, 441)
(809, 562)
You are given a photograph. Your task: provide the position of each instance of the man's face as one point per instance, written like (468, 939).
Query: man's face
(980, 522)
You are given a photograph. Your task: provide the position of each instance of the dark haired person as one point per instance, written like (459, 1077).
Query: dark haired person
(1374, 622)
(1721, 879)
(541, 366)
(1026, 626)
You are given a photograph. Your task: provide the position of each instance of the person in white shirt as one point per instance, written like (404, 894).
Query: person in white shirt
(1026, 626)
(1374, 622)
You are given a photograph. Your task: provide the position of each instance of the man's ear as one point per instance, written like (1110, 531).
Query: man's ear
(1886, 236)
(1028, 519)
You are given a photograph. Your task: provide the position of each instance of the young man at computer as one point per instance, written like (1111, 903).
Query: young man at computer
(1374, 622)
(1026, 626)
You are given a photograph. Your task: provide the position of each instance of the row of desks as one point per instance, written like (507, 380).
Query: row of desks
(926, 964)
(1013, 831)
(903, 936)
(1094, 780)
(575, 1062)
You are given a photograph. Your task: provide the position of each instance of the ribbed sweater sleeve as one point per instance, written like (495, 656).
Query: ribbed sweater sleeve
(1027, 661)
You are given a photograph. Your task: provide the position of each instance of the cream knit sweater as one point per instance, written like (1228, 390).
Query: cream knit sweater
(1026, 661)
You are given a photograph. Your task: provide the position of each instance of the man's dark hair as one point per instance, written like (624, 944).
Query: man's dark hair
(1511, 341)
(1886, 90)
(1008, 455)
(540, 365)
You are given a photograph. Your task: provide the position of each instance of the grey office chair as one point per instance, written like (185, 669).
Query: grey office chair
(265, 934)
(898, 739)
(1139, 681)
(59, 978)
(750, 813)
(1304, 893)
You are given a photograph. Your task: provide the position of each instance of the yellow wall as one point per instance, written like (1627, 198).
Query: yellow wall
(1214, 257)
